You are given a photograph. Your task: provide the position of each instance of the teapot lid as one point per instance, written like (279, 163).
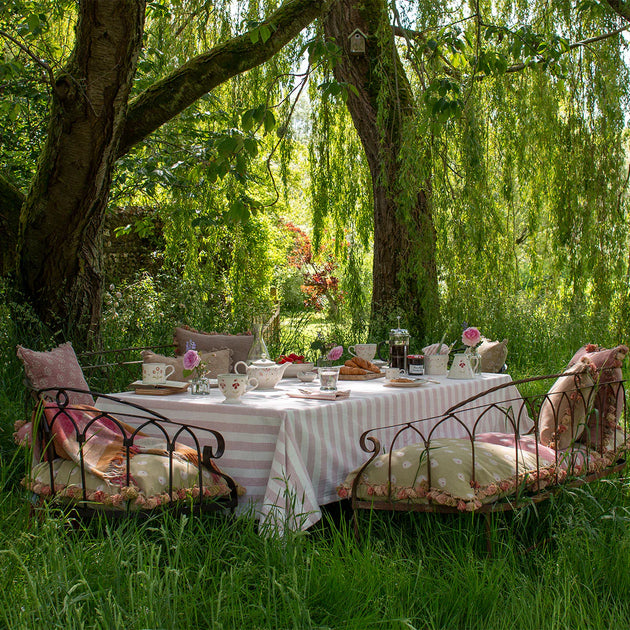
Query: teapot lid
(263, 363)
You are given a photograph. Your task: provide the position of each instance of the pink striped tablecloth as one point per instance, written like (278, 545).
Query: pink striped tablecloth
(291, 453)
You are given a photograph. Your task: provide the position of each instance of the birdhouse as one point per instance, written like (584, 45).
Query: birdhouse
(357, 41)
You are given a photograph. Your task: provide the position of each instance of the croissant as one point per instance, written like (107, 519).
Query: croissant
(366, 365)
(354, 371)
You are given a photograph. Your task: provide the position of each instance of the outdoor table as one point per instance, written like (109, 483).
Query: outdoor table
(291, 453)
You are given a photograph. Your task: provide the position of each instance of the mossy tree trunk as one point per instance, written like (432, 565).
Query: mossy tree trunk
(404, 267)
(91, 125)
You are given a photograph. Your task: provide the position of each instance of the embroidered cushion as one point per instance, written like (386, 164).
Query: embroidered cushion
(238, 344)
(58, 367)
(216, 363)
(493, 355)
(562, 415)
(451, 481)
(609, 401)
(149, 488)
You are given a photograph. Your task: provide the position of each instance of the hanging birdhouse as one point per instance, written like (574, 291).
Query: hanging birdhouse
(357, 42)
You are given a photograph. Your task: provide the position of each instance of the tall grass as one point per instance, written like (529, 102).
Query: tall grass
(563, 564)
(568, 568)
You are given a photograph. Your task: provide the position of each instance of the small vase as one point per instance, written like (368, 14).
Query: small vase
(200, 386)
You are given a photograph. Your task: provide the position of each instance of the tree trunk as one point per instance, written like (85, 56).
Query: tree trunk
(91, 125)
(404, 269)
(11, 201)
(60, 233)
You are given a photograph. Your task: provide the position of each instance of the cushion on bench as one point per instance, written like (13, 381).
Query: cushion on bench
(211, 342)
(452, 482)
(83, 436)
(608, 403)
(58, 367)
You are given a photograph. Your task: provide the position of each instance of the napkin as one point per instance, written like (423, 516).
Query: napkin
(319, 395)
(433, 349)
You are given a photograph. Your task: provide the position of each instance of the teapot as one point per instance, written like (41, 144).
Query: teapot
(266, 372)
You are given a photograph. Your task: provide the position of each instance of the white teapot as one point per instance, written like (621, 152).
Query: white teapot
(266, 372)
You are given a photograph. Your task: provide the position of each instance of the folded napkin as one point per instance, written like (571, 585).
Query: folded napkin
(319, 395)
(433, 349)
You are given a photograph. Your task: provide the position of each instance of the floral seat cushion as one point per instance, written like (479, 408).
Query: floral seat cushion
(454, 480)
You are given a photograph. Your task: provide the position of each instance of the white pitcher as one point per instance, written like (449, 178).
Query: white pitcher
(463, 366)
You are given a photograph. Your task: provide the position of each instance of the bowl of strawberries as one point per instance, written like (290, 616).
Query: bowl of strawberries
(297, 364)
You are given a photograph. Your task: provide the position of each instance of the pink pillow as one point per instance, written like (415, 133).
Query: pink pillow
(562, 415)
(57, 368)
(608, 404)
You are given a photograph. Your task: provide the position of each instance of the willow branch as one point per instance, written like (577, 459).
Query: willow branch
(585, 42)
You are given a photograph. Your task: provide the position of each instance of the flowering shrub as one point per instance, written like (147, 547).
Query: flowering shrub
(319, 282)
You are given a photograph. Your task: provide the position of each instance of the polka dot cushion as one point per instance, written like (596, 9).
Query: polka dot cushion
(148, 486)
(445, 473)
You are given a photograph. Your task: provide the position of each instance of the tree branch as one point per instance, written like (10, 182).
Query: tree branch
(621, 8)
(585, 42)
(168, 97)
(40, 62)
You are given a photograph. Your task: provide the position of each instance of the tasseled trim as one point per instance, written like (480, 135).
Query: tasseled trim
(131, 494)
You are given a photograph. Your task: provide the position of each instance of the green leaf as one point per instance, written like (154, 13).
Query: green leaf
(251, 146)
(227, 146)
(247, 120)
(238, 211)
(265, 33)
(254, 35)
(270, 120)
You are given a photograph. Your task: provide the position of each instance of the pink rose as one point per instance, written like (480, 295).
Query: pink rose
(471, 336)
(191, 359)
(335, 353)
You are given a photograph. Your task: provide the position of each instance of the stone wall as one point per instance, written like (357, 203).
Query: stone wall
(140, 249)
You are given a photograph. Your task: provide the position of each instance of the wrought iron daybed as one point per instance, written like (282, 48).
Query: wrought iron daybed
(572, 434)
(137, 461)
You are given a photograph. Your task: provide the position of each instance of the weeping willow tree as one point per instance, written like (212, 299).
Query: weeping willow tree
(494, 137)
(487, 159)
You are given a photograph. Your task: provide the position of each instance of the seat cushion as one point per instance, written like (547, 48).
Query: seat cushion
(58, 367)
(218, 362)
(148, 489)
(451, 481)
(211, 342)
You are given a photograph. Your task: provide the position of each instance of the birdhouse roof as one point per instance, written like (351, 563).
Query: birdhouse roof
(357, 31)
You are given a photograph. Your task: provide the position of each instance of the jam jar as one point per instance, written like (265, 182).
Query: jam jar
(415, 364)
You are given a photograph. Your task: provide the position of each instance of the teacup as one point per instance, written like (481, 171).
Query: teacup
(233, 386)
(365, 351)
(156, 373)
(392, 373)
